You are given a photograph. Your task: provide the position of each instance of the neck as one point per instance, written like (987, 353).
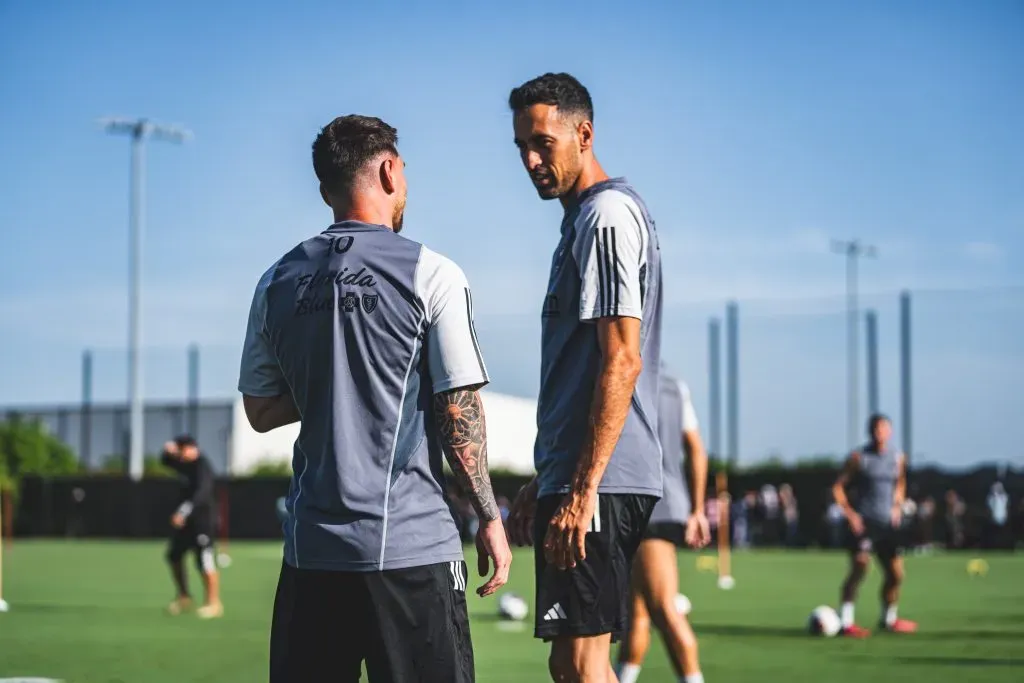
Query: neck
(362, 212)
(591, 175)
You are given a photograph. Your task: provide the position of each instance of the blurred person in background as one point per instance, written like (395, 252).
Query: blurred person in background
(790, 515)
(677, 522)
(743, 514)
(878, 473)
(834, 518)
(998, 522)
(908, 523)
(926, 523)
(956, 510)
(192, 526)
(713, 511)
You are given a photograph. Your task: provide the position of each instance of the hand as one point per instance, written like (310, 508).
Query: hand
(177, 520)
(492, 546)
(521, 515)
(698, 531)
(896, 516)
(171, 448)
(565, 542)
(856, 524)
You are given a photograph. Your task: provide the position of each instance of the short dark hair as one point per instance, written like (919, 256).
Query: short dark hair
(561, 90)
(185, 440)
(344, 146)
(875, 420)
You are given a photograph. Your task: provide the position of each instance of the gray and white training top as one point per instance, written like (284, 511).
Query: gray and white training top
(875, 483)
(607, 264)
(362, 326)
(675, 416)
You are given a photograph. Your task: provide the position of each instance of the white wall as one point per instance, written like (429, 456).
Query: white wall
(511, 429)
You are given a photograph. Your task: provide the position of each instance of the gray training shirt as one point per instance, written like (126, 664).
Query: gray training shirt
(362, 326)
(606, 264)
(675, 416)
(875, 483)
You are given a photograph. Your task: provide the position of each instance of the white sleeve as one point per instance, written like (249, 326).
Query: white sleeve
(611, 251)
(453, 352)
(260, 374)
(690, 423)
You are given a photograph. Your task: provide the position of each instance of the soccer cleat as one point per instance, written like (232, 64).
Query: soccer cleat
(854, 631)
(900, 626)
(178, 606)
(210, 611)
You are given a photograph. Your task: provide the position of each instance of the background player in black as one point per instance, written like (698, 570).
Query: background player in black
(193, 526)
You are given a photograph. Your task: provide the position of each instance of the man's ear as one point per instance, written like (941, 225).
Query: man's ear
(323, 194)
(387, 175)
(585, 131)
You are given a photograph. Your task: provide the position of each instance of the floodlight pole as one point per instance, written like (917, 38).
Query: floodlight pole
(853, 250)
(139, 130)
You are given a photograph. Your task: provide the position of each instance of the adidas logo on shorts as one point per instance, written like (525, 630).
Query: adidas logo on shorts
(555, 613)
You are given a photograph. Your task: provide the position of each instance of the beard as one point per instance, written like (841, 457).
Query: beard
(398, 218)
(551, 186)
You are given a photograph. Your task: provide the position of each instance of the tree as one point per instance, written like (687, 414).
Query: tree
(27, 448)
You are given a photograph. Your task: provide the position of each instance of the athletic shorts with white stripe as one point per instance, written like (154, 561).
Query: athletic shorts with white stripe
(405, 625)
(592, 598)
(196, 535)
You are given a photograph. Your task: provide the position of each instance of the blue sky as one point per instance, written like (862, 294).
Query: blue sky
(755, 131)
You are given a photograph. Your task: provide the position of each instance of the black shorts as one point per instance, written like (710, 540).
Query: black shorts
(197, 535)
(884, 540)
(673, 532)
(405, 624)
(592, 598)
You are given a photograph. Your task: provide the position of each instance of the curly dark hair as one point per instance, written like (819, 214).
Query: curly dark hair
(345, 144)
(561, 90)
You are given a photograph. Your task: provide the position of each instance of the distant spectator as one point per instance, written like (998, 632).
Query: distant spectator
(955, 511)
(997, 531)
(769, 528)
(790, 514)
(742, 513)
(712, 513)
(908, 522)
(835, 517)
(503, 507)
(926, 523)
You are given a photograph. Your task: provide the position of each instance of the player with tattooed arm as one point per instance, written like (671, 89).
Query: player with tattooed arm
(367, 339)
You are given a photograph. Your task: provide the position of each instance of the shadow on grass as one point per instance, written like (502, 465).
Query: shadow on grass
(963, 661)
(748, 630)
(54, 608)
(989, 634)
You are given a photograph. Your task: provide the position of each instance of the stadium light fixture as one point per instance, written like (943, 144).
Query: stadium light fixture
(139, 130)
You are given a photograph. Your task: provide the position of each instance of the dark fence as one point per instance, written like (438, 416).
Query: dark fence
(115, 507)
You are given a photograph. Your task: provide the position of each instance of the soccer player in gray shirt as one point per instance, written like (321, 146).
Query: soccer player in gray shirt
(597, 455)
(367, 339)
(877, 476)
(677, 521)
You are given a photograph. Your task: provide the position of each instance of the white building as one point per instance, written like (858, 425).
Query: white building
(100, 433)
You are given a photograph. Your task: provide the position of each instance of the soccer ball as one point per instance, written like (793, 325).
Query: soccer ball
(512, 607)
(683, 605)
(824, 622)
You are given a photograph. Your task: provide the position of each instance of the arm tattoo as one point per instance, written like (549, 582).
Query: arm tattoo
(460, 419)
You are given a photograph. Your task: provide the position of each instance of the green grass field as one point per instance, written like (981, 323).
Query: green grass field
(92, 612)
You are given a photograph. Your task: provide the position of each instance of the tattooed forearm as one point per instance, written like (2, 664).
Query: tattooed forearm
(460, 419)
